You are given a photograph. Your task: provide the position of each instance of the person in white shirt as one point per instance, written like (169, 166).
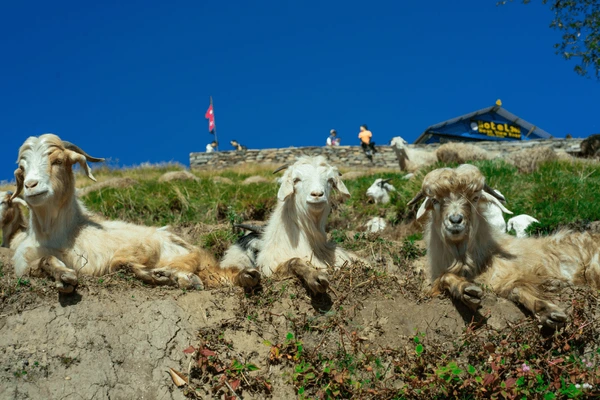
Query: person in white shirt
(333, 140)
(211, 147)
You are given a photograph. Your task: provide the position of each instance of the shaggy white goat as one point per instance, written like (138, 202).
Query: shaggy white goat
(376, 224)
(12, 220)
(520, 223)
(411, 159)
(64, 239)
(295, 233)
(380, 190)
(463, 248)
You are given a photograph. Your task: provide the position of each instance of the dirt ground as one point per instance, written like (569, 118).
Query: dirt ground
(117, 339)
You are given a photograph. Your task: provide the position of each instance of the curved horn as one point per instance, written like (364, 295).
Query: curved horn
(77, 149)
(416, 199)
(280, 168)
(253, 228)
(491, 191)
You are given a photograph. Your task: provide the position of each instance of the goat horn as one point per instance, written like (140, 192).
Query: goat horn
(77, 149)
(416, 199)
(280, 168)
(386, 180)
(493, 193)
(253, 228)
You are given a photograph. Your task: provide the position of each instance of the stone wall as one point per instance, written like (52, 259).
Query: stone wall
(353, 156)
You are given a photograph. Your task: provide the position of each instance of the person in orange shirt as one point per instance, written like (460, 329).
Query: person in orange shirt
(366, 143)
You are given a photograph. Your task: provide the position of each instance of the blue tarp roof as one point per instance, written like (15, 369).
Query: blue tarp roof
(459, 127)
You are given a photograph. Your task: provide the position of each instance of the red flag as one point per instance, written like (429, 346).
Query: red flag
(210, 116)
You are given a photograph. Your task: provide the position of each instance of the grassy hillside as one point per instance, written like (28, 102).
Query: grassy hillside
(558, 194)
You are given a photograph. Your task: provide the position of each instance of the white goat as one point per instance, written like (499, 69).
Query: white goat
(376, 224)
(380, 190)
(520, 224)
(411, 159)
(64, 239)
(12, 220)
(295, 233)
(463, 248)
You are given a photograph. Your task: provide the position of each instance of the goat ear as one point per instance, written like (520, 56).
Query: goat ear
(286, 189)
(19, 178)
(341, 187)
(494, 200)
(74, 157)
(425, 206)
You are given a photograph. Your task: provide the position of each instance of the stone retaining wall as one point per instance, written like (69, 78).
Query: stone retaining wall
(353, 156)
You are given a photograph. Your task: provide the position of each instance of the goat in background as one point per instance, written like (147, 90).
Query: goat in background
(12, 220)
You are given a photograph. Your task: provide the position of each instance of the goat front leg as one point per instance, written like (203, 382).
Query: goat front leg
(317, 281)
(549, 314)
(65, 278)
(460, 288)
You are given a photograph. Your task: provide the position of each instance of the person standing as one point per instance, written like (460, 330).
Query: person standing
(366, 143)
(333, 140)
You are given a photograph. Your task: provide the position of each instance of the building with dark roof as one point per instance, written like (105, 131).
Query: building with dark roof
(491, 123)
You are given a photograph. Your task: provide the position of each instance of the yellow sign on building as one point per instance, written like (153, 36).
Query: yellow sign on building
(501, 130)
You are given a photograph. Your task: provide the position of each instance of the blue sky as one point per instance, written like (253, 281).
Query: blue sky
(130, 80)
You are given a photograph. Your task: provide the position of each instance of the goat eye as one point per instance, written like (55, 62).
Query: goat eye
(296, 180)
(57, 162)
(434, 202)
(475, 199)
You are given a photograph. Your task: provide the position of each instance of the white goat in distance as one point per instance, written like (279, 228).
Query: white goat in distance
(411, 159)
(380, 190)
(463, 248)
(12, 220)
(64, 239)
(520, 223)
(294, 238)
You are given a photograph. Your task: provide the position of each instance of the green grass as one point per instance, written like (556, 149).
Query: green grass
(558, 194)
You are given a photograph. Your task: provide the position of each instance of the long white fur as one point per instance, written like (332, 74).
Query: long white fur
(296, 228)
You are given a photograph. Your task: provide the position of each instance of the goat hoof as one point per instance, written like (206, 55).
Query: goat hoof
(318, 282)
(195, 282)
(162, 277)
(69, 278)
(553, 319)
(249, 278)
(472, 296)
(62, 288)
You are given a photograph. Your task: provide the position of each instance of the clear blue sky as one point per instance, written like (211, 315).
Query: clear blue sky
(130, 80)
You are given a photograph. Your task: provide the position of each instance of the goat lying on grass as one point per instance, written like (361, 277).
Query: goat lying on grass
(295, 234)
(64, 239)
(12, 220)
(380, 190)
(463, 248)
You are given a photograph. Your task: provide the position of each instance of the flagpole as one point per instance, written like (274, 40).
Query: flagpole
(216, 139)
